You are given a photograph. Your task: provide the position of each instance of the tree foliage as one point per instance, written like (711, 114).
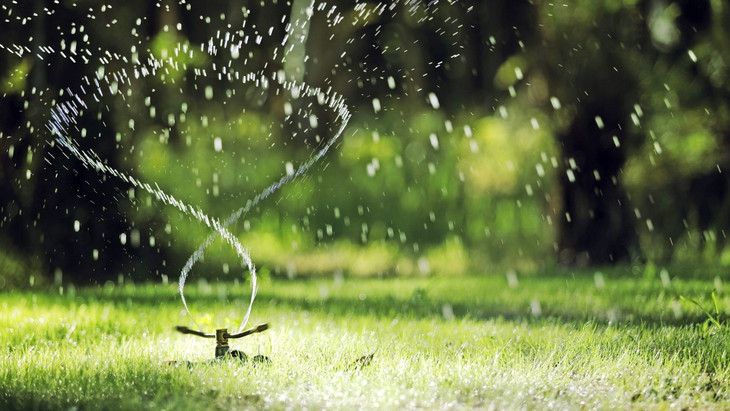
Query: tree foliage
(516, 133)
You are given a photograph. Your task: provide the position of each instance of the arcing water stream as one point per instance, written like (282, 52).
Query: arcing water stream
(117, 79)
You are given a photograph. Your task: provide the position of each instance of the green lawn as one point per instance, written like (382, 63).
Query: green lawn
(579, 340)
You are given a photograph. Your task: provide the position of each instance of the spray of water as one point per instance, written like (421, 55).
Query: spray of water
(66, 116)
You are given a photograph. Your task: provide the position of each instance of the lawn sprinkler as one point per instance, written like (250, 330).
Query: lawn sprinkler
(222, 349)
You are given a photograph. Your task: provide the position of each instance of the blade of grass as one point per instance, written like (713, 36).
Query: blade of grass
(707, 313)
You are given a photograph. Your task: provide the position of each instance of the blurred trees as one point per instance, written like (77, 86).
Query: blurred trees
(516, 133)
(588, 64)
(40, 201)
(678, 176)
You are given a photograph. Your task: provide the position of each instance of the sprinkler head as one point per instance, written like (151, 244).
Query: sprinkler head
(221, 342)
(221, 339)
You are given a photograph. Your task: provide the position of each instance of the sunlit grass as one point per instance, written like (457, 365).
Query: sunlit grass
(582, 340)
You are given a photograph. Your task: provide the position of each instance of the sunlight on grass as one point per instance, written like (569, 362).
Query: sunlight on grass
(435, 342)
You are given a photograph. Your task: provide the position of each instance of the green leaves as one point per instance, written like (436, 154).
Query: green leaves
(711, 319)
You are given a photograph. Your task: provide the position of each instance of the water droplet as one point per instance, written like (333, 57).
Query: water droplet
(467, 131)
(512, 281)
(434, 101)
(391, 83)
(434, 141)
(635, 119)
(447, 311)
(448, 126)
(555, 102)
(599, 280)
(518, 73)
(503, 111)
(616, 142)
(649, 225)
(535, 308)
(540, 170)
(398, 161)
(692, 55)
(134, 237)
(218, 144)
(376, 105)
(599, 122)
(666, 279)
(638, 110)
(370, 169)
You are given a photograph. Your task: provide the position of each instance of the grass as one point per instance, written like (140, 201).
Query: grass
(617, 340)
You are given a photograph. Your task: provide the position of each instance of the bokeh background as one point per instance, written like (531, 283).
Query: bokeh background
(485, 136)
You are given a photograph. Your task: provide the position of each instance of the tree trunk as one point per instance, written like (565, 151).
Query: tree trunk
(597, 223)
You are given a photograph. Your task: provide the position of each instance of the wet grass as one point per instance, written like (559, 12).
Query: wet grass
(562, 340)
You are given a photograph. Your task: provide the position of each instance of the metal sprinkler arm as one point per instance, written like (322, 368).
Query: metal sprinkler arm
(257, 329)
(222, 336)
(186, 330)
